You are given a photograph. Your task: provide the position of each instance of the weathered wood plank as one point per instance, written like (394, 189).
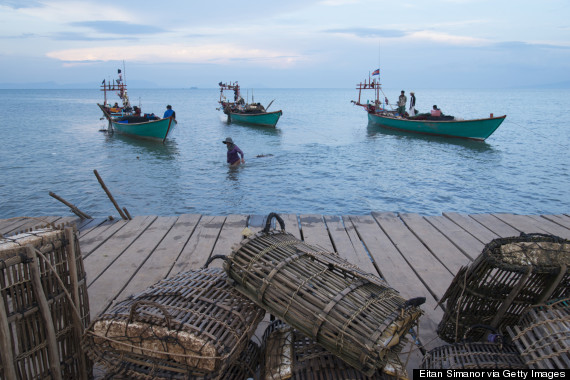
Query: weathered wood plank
(550, 227)
(463, 240)
(200, 245)
(230, 236)
(432, 273)
(9, 226)
(397, 272)
(88, 225)
(437, 243)
(99, 236)
(116, 277)
(476, 229)
(315, 233)
(104, 256)
(561, 220)
(160, 263)
(256, 223)
(347, 243)
(495, 224)
(292, 225)
(29, 223)
(521, 223)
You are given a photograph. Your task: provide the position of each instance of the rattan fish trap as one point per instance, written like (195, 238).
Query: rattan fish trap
(473, 355)
(193, 325)
(543, 335)
(288, 354)
(353, 314)
(510, 275)
(44, 307)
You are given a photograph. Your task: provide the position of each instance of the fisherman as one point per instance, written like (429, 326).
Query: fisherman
(234, 153)
(169, 112)
(137, 111)
(402, 100)
(412, 104)
(435, 111)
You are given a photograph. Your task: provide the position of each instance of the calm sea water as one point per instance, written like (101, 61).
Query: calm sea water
(326, 159)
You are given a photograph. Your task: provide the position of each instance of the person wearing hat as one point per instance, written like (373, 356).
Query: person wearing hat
(412, 104)
(402, 100)
(234, 153)
(169, 112)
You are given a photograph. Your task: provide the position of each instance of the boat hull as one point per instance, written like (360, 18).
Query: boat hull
(476, 129)
(268, 119)
(156, 130)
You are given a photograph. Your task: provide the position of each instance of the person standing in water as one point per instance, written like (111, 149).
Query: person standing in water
(234, 153)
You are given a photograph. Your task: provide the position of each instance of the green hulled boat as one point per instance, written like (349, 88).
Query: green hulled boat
(239, 111)
(129, 121)
(448, 126)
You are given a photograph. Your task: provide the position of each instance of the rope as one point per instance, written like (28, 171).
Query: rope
(534, 132)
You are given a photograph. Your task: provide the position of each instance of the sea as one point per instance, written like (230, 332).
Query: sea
(323, 157)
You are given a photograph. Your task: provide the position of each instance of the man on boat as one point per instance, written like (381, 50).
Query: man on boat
(402, 100)
(435, 111)
(169, 112)
(412, 104)
(234, 153)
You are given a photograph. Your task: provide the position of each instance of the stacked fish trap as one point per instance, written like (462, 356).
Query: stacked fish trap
(193, 325)
(354, 315)
(510, 275)
(44, 307)
(288, 354)
(543, 335)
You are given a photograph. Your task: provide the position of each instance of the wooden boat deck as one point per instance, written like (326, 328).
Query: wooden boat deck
(417, 255)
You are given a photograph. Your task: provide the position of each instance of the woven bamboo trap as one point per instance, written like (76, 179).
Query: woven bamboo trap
(353, 314)
(543, 335)
(288, 354)
(44, 307)
(193, 325)
(510, 275)
(473, 355)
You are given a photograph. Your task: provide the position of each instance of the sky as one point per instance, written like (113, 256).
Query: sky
(286, 44)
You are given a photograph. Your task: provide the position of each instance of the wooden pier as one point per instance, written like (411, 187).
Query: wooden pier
(417, 255)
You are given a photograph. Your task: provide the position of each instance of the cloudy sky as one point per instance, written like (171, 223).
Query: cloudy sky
(292, 43)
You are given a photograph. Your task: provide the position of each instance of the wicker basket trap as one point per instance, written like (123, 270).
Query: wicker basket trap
(354, 315)
(44, 307)
(193, 325)
(510, 275)
(288, 354)
(474, 355)
(543, 335)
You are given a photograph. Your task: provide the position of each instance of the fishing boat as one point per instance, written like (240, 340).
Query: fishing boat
(424, 123)
(127, 120)
(248, 113)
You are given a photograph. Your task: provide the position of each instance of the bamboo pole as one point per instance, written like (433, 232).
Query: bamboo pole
(73, 208)
(121, 213)
(53, 353)
(77, 322)
(6, 352)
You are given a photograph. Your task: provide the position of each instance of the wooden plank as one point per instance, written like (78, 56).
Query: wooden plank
(347, 243)
(256, 222)
(561, 220)
(116, 277)
(28, 223)
(463, 240)
(230, 236)
(476, 229)
(315, 233)
(521, 223)
(430, 271)
(104, 256)
(397, 272)
(200, 245)
(87, 225)
(550, 227)
(292, 225)
(495, 224)
(437, 243)
(160, 263)
(99, 236)
(7, 226)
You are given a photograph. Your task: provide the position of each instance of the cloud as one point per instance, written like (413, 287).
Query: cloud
(212, 54)
(19, 4)
(72, 36)
(369, 32)
(445, 38)
(118, 27)
(517, 45)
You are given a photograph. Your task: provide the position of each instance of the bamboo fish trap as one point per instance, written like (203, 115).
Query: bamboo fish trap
(193, 325)
(475, 355)
(353, 314)
(510, 275)
(543, 335)
(288, 354)
(44, 307)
